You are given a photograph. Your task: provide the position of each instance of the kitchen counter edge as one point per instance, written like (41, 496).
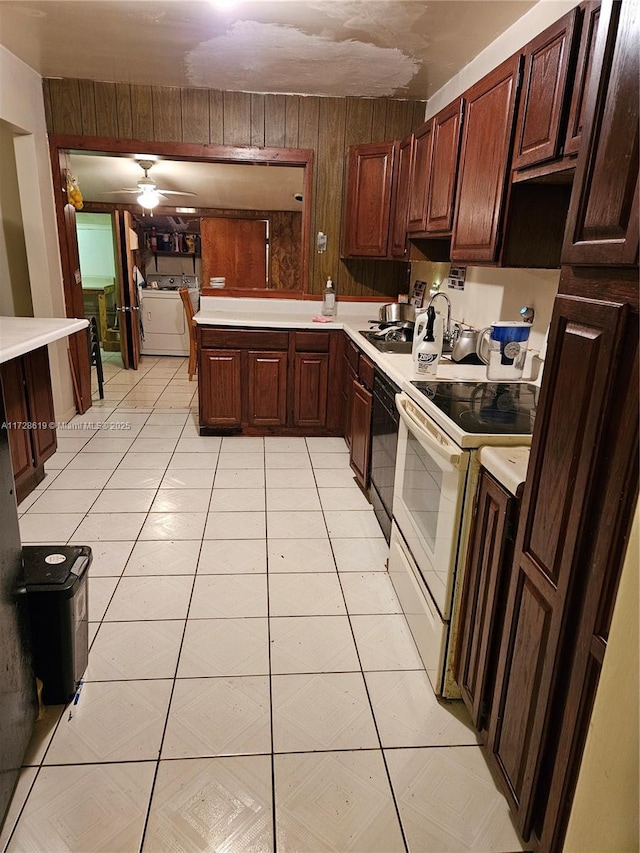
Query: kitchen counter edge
(20, 335)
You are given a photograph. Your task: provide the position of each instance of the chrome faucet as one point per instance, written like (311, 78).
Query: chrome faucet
(447, 335)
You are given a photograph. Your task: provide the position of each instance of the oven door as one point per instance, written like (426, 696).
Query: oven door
(431, 474)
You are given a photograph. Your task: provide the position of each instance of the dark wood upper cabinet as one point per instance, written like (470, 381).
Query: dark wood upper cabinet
(602, 224)
(447, 128)
(589, 31)
(368, 208)
(485, 155)
(546, 81)
(401, 199)
(420, 174)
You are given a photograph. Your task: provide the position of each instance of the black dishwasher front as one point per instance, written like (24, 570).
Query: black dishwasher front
(384, 442)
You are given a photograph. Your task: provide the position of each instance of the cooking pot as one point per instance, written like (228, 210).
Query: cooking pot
(397, 312)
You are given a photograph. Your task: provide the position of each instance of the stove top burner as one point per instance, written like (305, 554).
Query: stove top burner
(491, 408)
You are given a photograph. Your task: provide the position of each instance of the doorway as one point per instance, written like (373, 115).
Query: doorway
(61, 147)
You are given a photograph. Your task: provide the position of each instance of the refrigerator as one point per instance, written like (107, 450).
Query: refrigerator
(18, 702)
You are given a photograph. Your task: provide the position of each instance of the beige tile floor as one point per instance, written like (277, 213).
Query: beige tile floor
(252, 684)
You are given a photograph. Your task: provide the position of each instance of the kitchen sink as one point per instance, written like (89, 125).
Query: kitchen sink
(381, 345)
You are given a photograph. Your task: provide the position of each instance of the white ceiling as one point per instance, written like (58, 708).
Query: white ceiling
(365, 48)
(103, 178)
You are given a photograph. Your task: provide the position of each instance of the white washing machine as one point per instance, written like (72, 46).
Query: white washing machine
(164, 322)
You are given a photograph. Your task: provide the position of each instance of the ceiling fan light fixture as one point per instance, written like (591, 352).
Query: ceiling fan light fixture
(148, 198)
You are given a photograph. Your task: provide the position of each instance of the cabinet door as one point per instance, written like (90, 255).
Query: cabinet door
(16, 412)
(368, 209)
(266, 392)
(590, 21)
(560, 496)
(539, 133)
(483, 597)
(361, 408)
(602, 224)
(401, 200)
(311, 385)
(420, 173)
(40, 402)
(484, 165)
(447, 127)
(349, 377)
(219, 388)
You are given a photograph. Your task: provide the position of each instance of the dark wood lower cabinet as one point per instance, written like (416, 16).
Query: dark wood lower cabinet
(581, 488)
(485, 584)
(259, 381)
(266, 389)
(26, 385)
(311, 383)
(220, 388)
(360, 451)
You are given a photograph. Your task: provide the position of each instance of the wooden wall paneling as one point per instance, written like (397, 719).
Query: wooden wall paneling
(257, 136)
(379, 120)
(285, 244)
(399, 119)
(87, 91)
(123, 110)
(359, 121)
(291, 120)
(216, 117)
(106, 109)
(167, 117)
(419, 111)
(237, 118)
(329, 189)
(308, 121)
(274, 121)
(142, 112)
(48, 115)
(195, 115)
(65, 106)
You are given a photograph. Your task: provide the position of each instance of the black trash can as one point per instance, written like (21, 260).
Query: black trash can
(57, 603)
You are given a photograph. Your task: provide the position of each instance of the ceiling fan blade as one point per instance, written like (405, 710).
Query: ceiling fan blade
(174, 192)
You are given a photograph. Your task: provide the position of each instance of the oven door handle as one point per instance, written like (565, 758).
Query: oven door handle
(430, 437)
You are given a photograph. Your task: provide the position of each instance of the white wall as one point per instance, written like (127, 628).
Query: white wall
(15, 292)
(22, 108)
(96, 246)
(492, 294)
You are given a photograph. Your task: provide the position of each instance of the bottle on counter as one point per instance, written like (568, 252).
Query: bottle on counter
(429, 348)
(329, 299)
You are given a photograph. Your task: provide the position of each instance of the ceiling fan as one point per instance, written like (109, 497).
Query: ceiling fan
(148, 192)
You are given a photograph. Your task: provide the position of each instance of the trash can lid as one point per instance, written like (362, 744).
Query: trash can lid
(54, 565)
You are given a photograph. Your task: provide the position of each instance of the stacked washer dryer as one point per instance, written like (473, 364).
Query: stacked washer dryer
(164, 323)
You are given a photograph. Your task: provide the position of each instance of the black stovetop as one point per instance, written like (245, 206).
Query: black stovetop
(492, 408)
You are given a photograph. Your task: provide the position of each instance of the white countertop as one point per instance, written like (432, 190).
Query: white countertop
(19, 335)
(507, 464)
(351, 316)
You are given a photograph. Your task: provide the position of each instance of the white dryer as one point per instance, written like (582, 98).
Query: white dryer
(164, 322)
